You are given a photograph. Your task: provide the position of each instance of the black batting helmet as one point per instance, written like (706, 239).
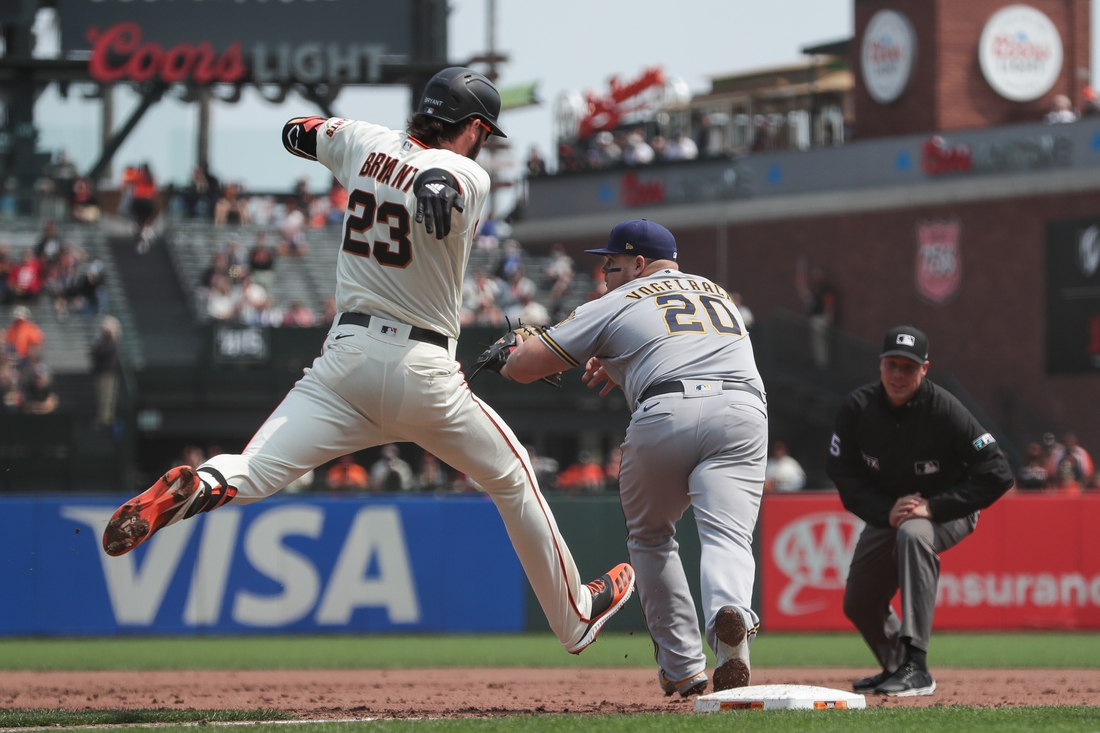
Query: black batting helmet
(458, 93)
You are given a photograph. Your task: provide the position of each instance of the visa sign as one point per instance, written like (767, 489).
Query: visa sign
(423, 564)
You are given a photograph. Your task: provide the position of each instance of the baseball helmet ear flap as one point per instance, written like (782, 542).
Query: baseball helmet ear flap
(457, 93)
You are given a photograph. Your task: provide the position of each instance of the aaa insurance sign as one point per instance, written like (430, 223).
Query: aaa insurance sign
(339, 565)
(990, 580)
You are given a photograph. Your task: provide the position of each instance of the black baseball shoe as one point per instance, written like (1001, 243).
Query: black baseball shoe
(910, 680)
(869, 683)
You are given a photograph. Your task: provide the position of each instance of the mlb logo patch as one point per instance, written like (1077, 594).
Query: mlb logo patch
(905, 339)
(389, 330)
(926, 468)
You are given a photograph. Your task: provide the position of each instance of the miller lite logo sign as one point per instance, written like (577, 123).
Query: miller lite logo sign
(939, 264)
(814, 552)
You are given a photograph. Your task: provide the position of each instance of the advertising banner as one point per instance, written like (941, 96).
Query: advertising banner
(1032, 563)
(344, 565)
(229, 41)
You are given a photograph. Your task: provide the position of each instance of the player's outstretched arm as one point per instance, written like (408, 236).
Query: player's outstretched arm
(531, 360)
(300, 136)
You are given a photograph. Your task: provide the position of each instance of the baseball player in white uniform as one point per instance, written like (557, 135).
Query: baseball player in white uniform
(698, 436)
(387, 371)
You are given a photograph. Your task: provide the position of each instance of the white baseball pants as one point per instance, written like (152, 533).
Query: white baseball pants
(375, 386)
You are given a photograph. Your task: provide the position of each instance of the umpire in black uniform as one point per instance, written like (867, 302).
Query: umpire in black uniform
(914, 464)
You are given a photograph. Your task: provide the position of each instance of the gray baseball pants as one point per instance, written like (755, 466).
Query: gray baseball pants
(907, 558)
(707, 452)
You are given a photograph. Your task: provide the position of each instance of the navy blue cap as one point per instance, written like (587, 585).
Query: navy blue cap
(639, 237)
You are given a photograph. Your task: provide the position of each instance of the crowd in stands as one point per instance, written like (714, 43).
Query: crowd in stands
(25, 380)
(54, 269)
(1053, 466)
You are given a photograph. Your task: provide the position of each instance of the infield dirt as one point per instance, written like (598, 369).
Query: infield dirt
(328, 694)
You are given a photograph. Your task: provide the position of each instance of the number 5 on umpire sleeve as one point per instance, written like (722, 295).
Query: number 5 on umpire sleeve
(682, 305)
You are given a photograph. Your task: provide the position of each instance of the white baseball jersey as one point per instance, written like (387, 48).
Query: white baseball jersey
(388, 265)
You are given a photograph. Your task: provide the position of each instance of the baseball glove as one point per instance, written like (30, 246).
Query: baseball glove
(494, 357)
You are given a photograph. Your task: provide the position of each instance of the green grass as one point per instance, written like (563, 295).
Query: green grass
(895, 720)
(68, 719)
(981, 650)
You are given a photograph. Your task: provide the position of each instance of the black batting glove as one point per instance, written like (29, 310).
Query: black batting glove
(436, 196)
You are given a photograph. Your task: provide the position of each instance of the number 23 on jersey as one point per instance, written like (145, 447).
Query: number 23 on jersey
(396, 251)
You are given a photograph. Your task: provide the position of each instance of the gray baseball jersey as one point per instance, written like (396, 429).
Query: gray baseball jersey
(705, 446)
(669, 325)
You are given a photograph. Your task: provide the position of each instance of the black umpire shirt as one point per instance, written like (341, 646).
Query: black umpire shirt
(931, 445)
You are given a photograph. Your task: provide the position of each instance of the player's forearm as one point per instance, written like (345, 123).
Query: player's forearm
(530, 361)
(300, 136)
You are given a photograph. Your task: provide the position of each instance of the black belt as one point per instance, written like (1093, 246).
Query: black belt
(677, 386)
(419, 334)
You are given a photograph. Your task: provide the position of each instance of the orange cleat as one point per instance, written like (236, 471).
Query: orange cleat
(609, 593)
(177, 495)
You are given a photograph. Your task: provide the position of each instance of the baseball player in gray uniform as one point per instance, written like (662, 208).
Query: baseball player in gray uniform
(387, 371)
(698, 436)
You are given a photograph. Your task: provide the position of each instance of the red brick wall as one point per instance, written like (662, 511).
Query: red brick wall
(991, 335)
(948, 91)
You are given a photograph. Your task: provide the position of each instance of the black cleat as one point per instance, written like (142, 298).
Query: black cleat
(910, 680)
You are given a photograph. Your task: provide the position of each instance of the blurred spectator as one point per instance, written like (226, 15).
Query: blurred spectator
(1061, 111)
(528, 310)
(256, 306)
(61, 280)
(783, 472)
(1050, 444)
(231, 208)
(337, 203)
(6, 266)
(1033, 474)
(390, 473)
(820, 300)
(432, 475)
(64, 174)
(510, 262)
(1066, 479)
(218, 267)
(708, 138)
(746, 313)
(515, 288)
(25, 278)
(23, 337)
(9, 197)
(546, 468)
(261, 210)
(105, 368)
(48, 249)
(660, 148)
(584, 475)
(301, 194)
(223, 300)
(191, 455)
(329, 313)
(11, 387)
(38, 395)
(143, 204)
(1079, 459)
(611, 469)
(201, 194)
(489, 314)
(84, 204)
(608, 154)
(291, 230)
(346, 474)
(299, 316)
(89, 293)
(536, 166)
(557, 266)
(1090, 107)
(261, 261)
(681, 147)
(478, 293)
(637, 151)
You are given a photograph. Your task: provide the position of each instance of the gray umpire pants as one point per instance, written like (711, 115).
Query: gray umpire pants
(907, 558)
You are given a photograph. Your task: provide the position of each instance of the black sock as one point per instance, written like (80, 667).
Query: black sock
(917, 656)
